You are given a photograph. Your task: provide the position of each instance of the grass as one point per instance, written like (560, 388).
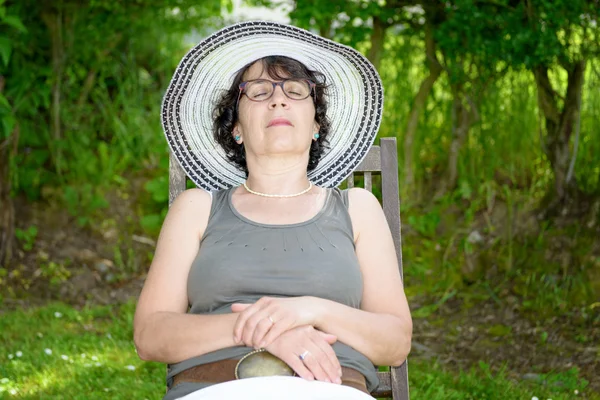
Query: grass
(57, 352)
(92, 355)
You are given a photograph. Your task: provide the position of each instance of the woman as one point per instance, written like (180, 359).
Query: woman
(271, 256)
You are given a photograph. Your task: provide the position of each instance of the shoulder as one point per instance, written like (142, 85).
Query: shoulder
(363, 200)
(364, 210)
(191, 202)
(190, 196)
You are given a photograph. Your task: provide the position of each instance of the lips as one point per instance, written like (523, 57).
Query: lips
(278, 122)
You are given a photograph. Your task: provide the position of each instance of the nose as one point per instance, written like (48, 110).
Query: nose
(278, 98)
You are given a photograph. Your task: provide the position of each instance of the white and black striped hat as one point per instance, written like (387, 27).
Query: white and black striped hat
(354, 102)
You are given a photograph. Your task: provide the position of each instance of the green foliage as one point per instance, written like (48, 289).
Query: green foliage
(112, 66)
(55, 273)
(26, 237)
(83, 202)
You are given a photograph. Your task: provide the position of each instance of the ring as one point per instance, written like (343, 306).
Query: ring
(303, 355)
(271, 319)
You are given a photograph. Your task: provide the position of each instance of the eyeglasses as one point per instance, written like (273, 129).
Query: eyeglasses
(263, 89)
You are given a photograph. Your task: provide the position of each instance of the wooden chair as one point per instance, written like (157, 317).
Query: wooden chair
(383, 160)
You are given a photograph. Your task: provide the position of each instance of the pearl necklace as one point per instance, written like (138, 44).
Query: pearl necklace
(310, 185)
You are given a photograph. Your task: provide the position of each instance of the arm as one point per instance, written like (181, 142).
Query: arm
(163, 331)
(382, 328)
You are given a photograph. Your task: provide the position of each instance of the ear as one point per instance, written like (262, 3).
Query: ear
(316, 128)
(237, 132)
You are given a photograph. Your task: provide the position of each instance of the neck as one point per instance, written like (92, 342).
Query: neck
(274, 176)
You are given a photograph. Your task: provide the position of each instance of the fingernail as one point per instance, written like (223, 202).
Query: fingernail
(327, 380)
(340, 372)
(338, 380)
(262, 344)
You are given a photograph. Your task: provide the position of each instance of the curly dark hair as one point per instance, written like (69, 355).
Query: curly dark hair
(225, 112)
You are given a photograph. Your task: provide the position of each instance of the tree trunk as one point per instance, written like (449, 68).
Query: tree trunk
(559, 123)
(460, 130)
(377, 41)
(8, 149)
(53, 21)
(435, 70)
(464, 115)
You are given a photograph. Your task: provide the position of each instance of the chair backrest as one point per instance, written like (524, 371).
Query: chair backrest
(383, 160)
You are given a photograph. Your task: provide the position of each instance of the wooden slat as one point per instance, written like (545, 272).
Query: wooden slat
(399, 378)
(391, 208)
(372, 161)
(390, 192)
(176, 178)
(350, 181)
(368, 181)
(385, 385)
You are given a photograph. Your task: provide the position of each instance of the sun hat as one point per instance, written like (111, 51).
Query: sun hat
(355, 99)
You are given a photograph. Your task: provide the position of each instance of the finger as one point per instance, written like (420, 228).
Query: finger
(240, 323)
(298, 366)
(314, 364)
(279, 327)
(250, 310)
(328, 337)
(251, 325)
(328, 359)
(262, 328)
(239, 307)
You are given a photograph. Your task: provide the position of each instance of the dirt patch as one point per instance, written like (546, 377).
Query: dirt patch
(500, 335)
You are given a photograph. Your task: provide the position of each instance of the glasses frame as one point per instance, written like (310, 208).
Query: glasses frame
(243, 85)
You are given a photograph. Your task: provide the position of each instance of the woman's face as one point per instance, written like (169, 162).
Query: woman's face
(276, 126)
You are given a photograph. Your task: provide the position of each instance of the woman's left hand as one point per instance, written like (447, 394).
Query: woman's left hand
(260, 323)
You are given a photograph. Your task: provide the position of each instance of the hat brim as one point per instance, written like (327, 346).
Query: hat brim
(355, 99)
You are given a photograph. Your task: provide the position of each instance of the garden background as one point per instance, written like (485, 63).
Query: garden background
(496, 108)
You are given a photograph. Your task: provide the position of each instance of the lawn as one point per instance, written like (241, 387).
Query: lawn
(57, 352)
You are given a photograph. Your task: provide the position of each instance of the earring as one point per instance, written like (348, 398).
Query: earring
(237, 137)
(316, 135)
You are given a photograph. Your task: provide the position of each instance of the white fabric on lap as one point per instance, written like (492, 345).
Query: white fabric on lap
(275, 388)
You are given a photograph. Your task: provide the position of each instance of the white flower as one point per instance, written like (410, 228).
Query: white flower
(98, 364)
(19, 354)
(4, 380)
(12, 391)
(108, 335)
(94, 358)
(39, 334)
(11, 356)
(48, 351)
(576, 391)
(106, 389)
(57, 314)
(64, 357)
(130, 367)
(534, 398)
(82, 355)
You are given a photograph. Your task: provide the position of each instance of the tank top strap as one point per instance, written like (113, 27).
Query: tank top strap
(219, 200)
(345, 200)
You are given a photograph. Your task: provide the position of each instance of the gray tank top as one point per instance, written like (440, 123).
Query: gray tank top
(240, 261)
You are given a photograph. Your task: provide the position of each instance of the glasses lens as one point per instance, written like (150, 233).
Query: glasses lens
(259, 90)
(296, 89)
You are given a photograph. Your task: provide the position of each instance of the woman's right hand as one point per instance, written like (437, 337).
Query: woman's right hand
(320, 361)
